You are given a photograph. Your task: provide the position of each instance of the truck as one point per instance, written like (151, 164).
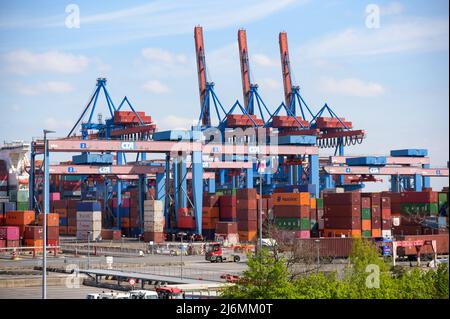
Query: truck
(215, 252)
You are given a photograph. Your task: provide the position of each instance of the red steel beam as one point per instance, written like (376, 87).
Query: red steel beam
(358, 170)
(175, 147)
(134, 130)
(285, 68)
(359, 133)
(245, 66)
(389, 160)
(201, 71)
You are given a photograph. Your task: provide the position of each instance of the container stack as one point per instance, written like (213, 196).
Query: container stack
(185, 220)
(210, 215)
(21, 219)
(246, 212)
(52, 228)
(154, 221)
(292, 211)
(89, 221)
(72, 217)
(386, 217)
(320, 215)
(124, 213)
(3, 182)
(22, 199)
(227, 226)
(342, 214)
(59, 207)
(9, 236)
(135, 227)
(33, 237)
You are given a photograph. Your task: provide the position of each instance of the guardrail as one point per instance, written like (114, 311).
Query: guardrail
(15, 252)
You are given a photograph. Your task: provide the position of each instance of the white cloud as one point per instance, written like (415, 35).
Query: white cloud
(58, 124)
(271, 84)
(44, 87)
(155, 86)
(175, 122)
(25, 62)
(264, 60)
(351, 87)
(163, 56)
(411, 35)
(392, 8)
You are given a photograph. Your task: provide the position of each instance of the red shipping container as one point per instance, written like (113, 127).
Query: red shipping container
(292, 211)
(52, 220)
(210, 212)
(246, 215)
(342, 222)
(227, 201)
(386, 224)
(342, 210)
(228, 212)
(419, 197)
(12, 243)
(63, 230)
(250, 225)
(385, 203)
(53, 232)
(9, 233)
(365, 202)
(33, 232)
(376, 211)
(386, 213)
(351, 198)
(246, 204)
(60, 204)
(313, 214)
(246, 193)
(20, 218)
(186, 222)
(1, 219)
(226, 228)
(52, 242)
(376, 222)
(2, 243)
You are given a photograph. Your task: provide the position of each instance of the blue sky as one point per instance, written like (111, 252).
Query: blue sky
(391, 81)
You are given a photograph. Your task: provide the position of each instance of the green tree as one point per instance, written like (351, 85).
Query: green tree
(265, 278)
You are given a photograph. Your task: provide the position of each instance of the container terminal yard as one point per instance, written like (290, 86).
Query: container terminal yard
(177, 211)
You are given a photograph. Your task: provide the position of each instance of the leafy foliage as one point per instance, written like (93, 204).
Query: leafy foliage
(368, 276)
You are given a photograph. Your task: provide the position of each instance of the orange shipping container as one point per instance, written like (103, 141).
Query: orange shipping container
(33, 242)
(210, 212)
(313, 203)
(356, 233)
(52, 220)
(376, 232)
(209, 223)
(293, 199)
(63, 230)
(366, 224)
(125, 222)
(247, 235)
(20, 218)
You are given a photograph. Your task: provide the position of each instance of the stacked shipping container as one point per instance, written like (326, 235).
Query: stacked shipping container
(153, 221)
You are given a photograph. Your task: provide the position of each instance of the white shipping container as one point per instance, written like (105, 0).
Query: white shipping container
(84, 235)
(152, 223)
(386, 233)
(396, 221)
(89, 216)
(153, 205)
(154, 229)
(89, 225)
(153, 216)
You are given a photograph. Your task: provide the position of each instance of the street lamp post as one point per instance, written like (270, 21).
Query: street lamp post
(44, 217)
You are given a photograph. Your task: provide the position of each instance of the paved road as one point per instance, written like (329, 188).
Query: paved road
(52, 292)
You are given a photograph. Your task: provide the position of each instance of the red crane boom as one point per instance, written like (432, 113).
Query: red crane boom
(285, 67)
(201, 70)
(245, 68)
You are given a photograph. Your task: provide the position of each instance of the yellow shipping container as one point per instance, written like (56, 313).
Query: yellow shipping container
(291, 199)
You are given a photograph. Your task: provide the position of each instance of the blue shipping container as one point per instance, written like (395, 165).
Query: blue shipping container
(297, 139)
(413, 152)
(63, 221)
(366, 160)
(88, 206)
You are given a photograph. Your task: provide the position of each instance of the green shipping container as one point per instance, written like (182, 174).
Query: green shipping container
(72, 178)
(22, 195)
(366, 233)
(22, 206)
(442, 199)
(288, 223)
(220, 193)
(319, 203)
(419, 208)
(314, 224)
(305, 224)
(366, 213)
